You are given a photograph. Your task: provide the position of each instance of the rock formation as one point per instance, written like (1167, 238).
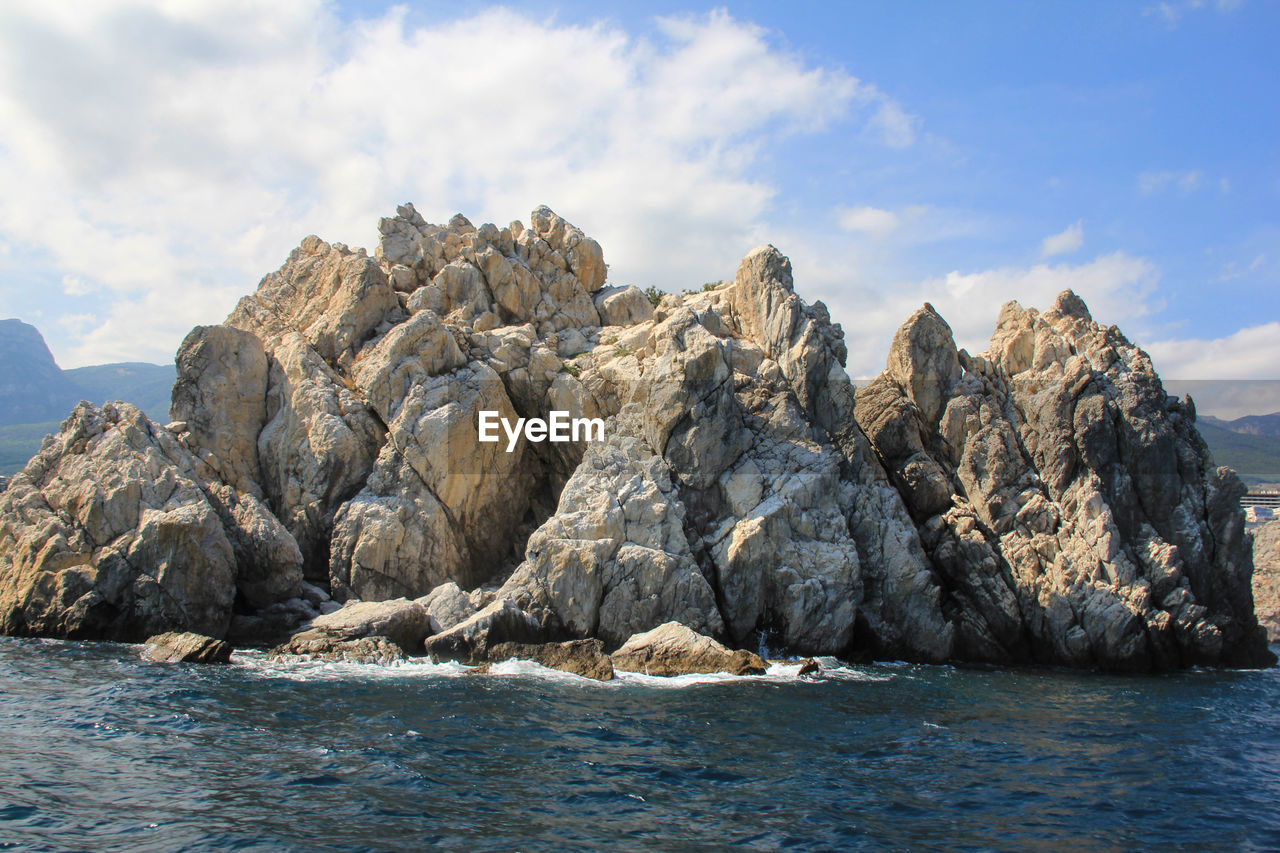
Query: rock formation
(1043, 502)
(1069, 507)
(675, 649)
(1266, 578)
(186, 648)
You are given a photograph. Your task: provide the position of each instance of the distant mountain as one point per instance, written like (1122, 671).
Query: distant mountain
(1249, 424)
(1256, 458)
(147, 386)
(32, 386)
(36, 394)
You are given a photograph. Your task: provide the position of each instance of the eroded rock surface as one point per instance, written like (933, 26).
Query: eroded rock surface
(1041, 502)
(323, 646)
(580, 657)
(186, 648)
(116, 531)
(674, 649)
(401, 621)
(1067, 503)
(1266, 578)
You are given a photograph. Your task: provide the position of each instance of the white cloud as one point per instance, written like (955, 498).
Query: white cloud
(867, 220)
(1251, 353)
(77, 324)
(74, 285)
(896, 127)
(1150, 183)
(1064, 242)
(172, 154)
(1172, 12)
(1232, 271)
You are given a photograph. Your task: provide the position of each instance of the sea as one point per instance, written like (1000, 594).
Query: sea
(100, 751)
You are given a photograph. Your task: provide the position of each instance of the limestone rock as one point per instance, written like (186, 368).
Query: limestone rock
(1043, 502)
(581, 657)
(674, 649)
(401, 621)
(436, 506)
(115, 531)
(582, 255)
(470, 641)
(1266, 578)
(316, 449)
(220, 396)
(623, 306)
(614, 559)
(1069, 504)
(323, 646)
(335, 298)
(186, 648)
(447, 606)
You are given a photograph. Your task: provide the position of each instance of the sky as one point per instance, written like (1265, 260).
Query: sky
(158, 158)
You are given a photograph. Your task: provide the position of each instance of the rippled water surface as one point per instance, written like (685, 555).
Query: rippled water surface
(101, 751)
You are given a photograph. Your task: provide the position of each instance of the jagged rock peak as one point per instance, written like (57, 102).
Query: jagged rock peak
(1043, 501)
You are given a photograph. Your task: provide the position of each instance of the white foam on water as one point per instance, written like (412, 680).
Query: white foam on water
(300, 669)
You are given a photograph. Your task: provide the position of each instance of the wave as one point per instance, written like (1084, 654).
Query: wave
(779, 672)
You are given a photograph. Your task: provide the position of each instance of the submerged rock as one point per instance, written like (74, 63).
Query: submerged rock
(581, 657)
(186, 648)
(674, 649)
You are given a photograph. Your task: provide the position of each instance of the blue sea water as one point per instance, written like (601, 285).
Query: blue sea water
(101, 751)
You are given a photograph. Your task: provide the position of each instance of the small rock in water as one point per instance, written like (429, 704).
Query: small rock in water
(581, 657)
(675, 649)
(322, 646)
(186, 647)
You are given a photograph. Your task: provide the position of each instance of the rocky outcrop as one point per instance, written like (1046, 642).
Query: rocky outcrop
(580, 657)
(116, 531)
(328, 648)
(1266, 578)
(447, 606)
(401, 621)
(1067, 503)
(1042, 502)
(471, 641)
(186, 648)
(674, 649)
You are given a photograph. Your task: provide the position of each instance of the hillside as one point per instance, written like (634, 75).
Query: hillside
(146, 386)
(1268, 425)
(36, 394)
(32, 386)
(1256, 458)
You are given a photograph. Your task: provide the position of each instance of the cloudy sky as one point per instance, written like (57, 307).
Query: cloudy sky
(157, 158)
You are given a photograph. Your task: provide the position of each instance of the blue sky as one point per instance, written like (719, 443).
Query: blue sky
(158, 158)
